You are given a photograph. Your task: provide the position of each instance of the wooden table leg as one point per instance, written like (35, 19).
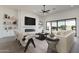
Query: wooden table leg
(29, 41)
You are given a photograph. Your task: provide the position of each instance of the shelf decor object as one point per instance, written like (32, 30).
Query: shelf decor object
(15, 22)
(5, 15)
(10, 22)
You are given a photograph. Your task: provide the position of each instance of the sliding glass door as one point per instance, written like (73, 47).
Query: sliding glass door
(65, 24)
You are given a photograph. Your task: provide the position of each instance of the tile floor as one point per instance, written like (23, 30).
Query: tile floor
(10, 45)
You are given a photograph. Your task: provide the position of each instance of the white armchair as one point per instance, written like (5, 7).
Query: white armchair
(24, 40)
(19, 37)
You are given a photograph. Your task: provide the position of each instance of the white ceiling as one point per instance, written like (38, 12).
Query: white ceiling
(37, 8)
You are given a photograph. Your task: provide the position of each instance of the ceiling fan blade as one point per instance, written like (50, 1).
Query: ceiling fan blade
(44, 10)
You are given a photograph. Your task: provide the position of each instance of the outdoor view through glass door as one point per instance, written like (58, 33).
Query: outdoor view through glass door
(61, 25)
(65, 24)
(70, 25)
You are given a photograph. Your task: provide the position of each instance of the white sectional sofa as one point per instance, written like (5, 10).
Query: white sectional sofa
(66, 41)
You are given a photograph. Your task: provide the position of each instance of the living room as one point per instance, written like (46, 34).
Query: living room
(60, 21)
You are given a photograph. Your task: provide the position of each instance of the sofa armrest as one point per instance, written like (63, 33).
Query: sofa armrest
(65, 42)
(61, 46)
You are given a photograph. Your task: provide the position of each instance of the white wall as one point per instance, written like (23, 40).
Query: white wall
(21, 15)
(10, 12)
(64, 15)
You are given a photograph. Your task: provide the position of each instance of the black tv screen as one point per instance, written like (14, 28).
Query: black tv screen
(29, 21)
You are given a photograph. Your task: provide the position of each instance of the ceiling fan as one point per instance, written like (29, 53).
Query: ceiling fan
(44, 9)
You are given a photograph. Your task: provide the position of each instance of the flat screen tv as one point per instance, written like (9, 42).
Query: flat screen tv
(30, 21)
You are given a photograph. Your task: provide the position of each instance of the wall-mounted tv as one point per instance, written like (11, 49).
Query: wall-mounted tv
(29, 21)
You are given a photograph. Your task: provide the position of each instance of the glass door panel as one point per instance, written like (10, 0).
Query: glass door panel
(70, 25)
(54, 25)
(61, 25)
(48, 25)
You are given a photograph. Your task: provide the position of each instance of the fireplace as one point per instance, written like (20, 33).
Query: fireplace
(29, 30)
